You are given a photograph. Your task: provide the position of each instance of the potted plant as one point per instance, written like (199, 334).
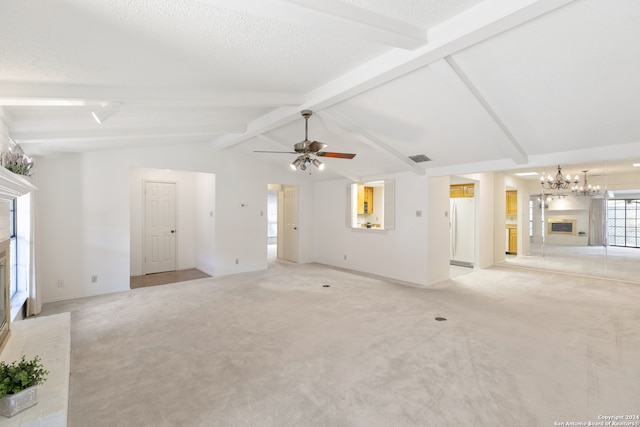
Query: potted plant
(18, 384)
(17, 162)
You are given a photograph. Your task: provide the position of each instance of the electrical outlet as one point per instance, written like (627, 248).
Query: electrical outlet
(61, 283)
(94, 279)
(345, 257)
(237, 261)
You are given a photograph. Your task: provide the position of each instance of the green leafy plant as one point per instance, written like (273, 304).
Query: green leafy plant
(21, 374)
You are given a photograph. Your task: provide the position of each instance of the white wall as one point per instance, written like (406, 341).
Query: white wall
(84, 213)
(84, 219)
(398, 254)
(61, 246)
(438, 219)
(205, 222)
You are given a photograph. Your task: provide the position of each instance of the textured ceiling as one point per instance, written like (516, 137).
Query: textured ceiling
(475, 86)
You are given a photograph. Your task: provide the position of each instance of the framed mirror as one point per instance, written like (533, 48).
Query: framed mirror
(589, 226)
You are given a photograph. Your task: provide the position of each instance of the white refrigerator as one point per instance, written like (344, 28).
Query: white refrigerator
(462, 231)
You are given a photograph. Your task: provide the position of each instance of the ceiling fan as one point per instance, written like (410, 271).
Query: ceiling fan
(306, 149)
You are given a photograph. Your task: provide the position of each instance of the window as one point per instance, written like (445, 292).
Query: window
(623, 222)
(371, 205)
(530, 218)
(13, 250)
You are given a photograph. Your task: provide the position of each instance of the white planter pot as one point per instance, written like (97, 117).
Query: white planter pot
(12, 404)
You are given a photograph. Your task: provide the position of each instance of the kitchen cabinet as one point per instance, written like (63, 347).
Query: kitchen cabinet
(512, 202)
(457, 191)
(365, 200)
(513, 240)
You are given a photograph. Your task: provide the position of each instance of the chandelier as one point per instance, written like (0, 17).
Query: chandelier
(586, 189)
(559, 182)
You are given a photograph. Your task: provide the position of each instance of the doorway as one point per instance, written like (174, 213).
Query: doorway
(193, 215)
(462, 225)
(273, 191)
(282, 222)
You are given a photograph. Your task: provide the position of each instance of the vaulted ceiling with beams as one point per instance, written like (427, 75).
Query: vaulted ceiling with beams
(464, 82)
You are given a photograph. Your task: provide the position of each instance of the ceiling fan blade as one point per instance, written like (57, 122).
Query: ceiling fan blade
(316, 146)
(335, 155)
(280, 152)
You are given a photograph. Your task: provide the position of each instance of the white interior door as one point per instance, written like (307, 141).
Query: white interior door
(160, 227)
(290, 217)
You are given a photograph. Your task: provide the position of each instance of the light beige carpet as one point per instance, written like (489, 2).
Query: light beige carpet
(276, 348)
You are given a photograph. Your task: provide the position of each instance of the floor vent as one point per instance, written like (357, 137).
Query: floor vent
(419, 158)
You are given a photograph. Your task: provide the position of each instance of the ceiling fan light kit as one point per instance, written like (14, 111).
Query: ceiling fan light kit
(307, 148)
(318, 164)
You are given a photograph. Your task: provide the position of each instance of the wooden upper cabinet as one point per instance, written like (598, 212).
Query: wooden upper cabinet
(461, 190)
(365, 200)
(512, 202)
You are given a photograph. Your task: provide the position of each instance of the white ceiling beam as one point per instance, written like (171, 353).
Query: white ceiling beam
(331, 167)
(334, 17)
(604, 153)
(112, 135)
(513, 149)
(477, 24)
(4, 128)
(48, 94)
(372, 140)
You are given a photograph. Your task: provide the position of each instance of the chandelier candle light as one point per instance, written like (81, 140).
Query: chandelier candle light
(560, 182)
(586, 189)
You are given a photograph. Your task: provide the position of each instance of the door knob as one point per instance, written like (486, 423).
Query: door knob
(173, 231)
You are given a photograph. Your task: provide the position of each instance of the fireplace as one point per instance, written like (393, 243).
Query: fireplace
(562, 226)
(5, 304)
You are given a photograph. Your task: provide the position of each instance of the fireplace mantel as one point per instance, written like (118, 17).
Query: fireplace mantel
(13, 185)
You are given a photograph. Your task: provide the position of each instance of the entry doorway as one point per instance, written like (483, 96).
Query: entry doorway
(462, 225)
(193, 215)
(272, 222)
(282, 222)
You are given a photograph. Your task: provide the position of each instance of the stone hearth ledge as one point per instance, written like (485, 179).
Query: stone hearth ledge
(50, 338)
